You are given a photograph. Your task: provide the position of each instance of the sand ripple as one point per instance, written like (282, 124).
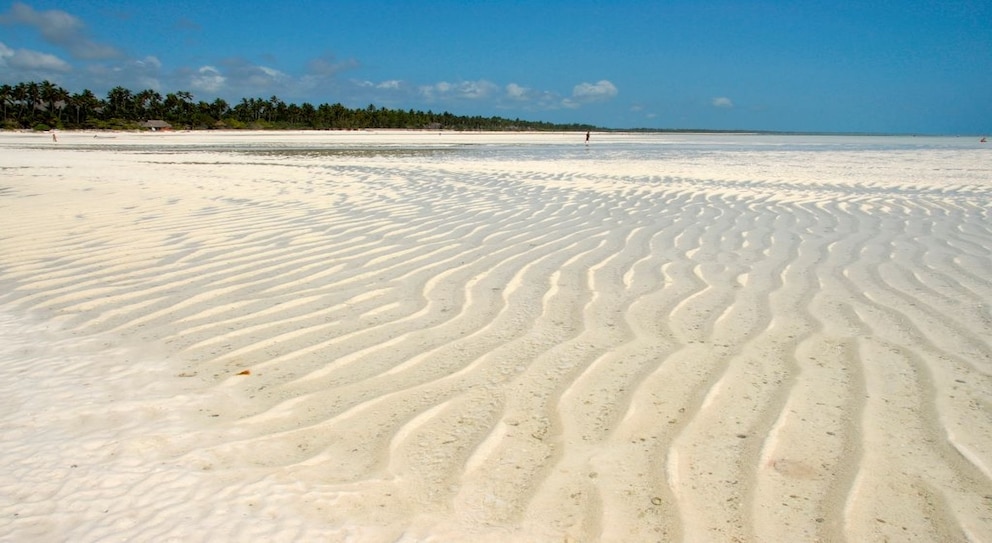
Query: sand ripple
(408, 348)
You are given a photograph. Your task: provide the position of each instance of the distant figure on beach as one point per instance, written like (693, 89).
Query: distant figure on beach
(56, 140)
(587, 137)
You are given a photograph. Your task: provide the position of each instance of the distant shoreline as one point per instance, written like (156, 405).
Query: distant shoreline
(677, 131)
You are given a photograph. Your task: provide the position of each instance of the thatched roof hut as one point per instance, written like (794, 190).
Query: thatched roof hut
(156, 124)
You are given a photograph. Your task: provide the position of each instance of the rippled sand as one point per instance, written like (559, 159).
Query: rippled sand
(413, 336)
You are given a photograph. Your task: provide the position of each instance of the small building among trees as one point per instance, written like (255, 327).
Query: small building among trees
(156, 124)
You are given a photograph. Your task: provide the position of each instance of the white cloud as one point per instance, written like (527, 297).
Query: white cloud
(468, 90)
(476, 89)
(31, 61)
(241, 77)
(723, 102)
(392, 84)
(149, 63)
(207, 79)
(59, 28)
(594, 92)
(587, 93)
(272, 73)
(516, 92)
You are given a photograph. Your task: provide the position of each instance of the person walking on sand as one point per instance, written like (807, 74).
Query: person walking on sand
(587, 137)
(54, 139)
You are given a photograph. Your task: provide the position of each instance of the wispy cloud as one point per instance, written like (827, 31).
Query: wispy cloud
(207, 79)
(723, 102)
(392, 84)
(585, 93)
(328, 65)
(518, 92)
(519, 96)
(233, 77)
(465, 90)
(60, 29)
(241, 74)
(27, 61)
(601, 90)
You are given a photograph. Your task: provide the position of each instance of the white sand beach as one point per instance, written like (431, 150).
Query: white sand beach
(423, 336)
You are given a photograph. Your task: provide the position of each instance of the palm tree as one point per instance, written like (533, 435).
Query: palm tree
(148, 104)
(308, 114)
(19, 96)
(185, 106)
(46, 96)
(33, 100)
(338, 115)
(6, 96)
(120, 102)
(277, 109)
(250, 109)
(86, 104)
(53, 99)
(177, 107)
(171, 107)
(219, 109)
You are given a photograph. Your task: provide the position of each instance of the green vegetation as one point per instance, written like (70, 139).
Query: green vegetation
(29, 105)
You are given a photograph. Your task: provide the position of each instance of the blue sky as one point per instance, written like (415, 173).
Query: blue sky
(906, 66)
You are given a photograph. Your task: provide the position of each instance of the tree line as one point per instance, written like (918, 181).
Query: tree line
(45, 105)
